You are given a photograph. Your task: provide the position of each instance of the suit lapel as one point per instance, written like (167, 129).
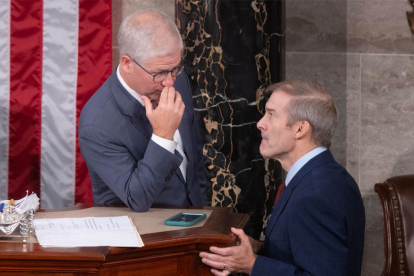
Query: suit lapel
(283, 200)
(129, 106)
(140, 120)
(317, 161)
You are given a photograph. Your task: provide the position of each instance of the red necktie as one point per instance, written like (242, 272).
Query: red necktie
(279, 192)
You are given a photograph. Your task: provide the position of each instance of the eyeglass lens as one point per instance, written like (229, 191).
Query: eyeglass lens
(175, 72)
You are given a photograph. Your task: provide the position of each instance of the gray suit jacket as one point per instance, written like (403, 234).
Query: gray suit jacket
(125, 165)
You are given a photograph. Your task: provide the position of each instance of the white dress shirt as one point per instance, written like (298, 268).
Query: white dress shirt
(176, 144)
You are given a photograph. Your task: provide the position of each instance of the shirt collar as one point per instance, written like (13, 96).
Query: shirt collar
(301, 162)
(129, 89)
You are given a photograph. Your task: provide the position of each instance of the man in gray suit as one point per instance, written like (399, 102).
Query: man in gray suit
(138, 133)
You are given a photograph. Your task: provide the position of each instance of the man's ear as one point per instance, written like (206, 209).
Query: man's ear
(126, 64)
(302, 129)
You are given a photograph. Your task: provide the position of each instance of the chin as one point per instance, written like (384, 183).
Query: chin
(262, 152)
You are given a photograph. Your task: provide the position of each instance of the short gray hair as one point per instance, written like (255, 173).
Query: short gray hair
(147, 34)
(311, 103)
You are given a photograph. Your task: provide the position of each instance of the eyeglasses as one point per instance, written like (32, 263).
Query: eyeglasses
(163, 75)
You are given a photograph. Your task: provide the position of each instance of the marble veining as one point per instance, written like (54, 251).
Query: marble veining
(232, 54)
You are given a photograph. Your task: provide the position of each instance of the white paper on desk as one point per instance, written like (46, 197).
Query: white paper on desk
(89, 231)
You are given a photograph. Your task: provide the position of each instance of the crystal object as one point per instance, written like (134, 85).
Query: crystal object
(9, 219)
(30, 217)
(24, 229)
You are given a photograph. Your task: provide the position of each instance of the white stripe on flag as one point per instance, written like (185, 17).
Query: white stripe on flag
(58, 142)
(4, 96)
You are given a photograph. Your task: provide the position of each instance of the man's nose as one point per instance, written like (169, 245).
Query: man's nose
(260, 124)
(168, 81)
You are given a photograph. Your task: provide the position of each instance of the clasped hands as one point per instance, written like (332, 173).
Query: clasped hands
(239, 258)
(166, 117)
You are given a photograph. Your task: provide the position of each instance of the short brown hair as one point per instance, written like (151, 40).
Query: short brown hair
(311, 103)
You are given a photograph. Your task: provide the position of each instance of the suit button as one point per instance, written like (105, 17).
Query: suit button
(167, 178)
(188, 192)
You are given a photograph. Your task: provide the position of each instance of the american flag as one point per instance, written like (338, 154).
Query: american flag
(54, 54)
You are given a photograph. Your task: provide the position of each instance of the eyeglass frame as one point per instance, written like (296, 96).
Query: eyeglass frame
(163, 72)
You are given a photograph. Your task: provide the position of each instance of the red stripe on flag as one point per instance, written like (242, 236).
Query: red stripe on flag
(25, 96)
(94, 67)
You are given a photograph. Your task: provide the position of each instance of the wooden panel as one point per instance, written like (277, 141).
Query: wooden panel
(165, 253)
(153, 268)
(185, 265)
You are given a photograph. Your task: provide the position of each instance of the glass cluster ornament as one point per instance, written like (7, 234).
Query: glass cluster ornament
(30, 218)
(9, 219)
(24, 229)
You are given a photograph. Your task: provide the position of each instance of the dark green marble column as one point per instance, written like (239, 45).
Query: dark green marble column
(234, 50)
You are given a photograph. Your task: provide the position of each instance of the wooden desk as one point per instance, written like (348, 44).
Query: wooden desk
(165, 253)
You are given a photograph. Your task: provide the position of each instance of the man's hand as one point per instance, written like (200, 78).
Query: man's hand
(257, 246)
(166, 118)
(238, 258)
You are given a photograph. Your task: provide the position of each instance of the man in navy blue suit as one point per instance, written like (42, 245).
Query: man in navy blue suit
(317, 226)
(138, 133)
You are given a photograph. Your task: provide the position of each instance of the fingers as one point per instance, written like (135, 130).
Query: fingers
(172, 99)
(226, 251)
(240, 233)
(213, 257)
(171, 96)
(220, 273)
(219, 265)
(179, 105)
(147, 105)
(167, 96)
(164, 95)
(237, 231)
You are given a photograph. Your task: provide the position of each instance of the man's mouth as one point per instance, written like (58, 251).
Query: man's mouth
(156, 96)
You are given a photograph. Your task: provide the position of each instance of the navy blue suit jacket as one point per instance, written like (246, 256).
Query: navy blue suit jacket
(317, 227)
(125, 165)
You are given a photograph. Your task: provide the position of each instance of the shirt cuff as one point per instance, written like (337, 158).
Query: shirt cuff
(165, 143)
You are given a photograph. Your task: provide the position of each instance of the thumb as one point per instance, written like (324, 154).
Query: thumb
(147, 105)
(240, 233)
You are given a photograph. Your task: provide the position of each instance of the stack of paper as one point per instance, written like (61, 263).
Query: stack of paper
(89, 231)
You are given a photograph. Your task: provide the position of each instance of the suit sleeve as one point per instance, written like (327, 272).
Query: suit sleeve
(136, 183)
(317, 238)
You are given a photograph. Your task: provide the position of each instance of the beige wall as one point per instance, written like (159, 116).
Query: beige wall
(363, 52)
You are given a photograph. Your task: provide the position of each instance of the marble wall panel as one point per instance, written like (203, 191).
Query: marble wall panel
(353, 115)
(233, 51)
(330, 70)
(316, 26)
(379, 27)
(373, 258)
(387, 117)
(378, 91)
